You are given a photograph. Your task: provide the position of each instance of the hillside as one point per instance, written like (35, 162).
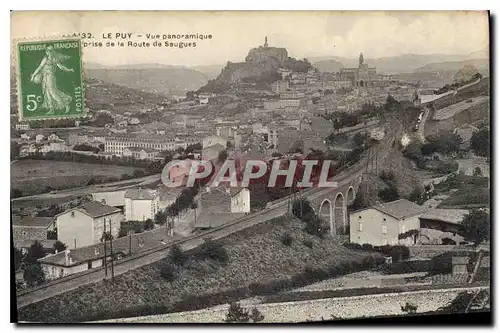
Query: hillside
(211, 71)
(155, 78)
(403, 63)
(117, 98)
(453, 66)
(331, 66)
(256, 256)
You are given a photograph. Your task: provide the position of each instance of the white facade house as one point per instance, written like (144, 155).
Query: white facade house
(240, 200)
(141, 204)
(22, 126)
(382, 224)
(84, 225)
(39, 137)
(213, 140)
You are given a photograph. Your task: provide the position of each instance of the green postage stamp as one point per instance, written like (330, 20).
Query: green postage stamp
(50, 79)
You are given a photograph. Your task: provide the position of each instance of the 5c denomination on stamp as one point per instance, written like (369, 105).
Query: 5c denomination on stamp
(50, 79)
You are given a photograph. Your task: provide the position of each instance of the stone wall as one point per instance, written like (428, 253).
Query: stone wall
(346, 307)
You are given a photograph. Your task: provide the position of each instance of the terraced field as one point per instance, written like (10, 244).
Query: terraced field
(256, 255)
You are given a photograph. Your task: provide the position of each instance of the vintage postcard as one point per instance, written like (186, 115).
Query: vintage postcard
(250, 167)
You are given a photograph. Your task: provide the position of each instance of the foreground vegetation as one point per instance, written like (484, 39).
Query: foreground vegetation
(251, 262)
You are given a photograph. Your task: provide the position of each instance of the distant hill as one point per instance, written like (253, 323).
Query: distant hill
(331, 66)
(155, 78)
(404, 63)
(211, 71)
(481, 64)
(108, 96)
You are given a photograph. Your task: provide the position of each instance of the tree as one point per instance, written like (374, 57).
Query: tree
(34, 275)
(35, 252)
(59, 246)
(236, 314)
(256, 316)
(139, 173)
(417, 195)
(465, 74)
(16, 193)
(409, 308)
(160, 218)
(286, 239)
(222, 156)
(168, 272)
(149, 224)
(18, 258)
(302, 207)
(477, 172)
(477, 226)
(480, 142)
(177, 256)
(15, 150)
(359, 139)
(389, 194)
(106, 236)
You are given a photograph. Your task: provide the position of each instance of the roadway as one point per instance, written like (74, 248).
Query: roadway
(276, 209)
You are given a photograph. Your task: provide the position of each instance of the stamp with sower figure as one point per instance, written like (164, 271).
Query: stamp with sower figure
(50, 79)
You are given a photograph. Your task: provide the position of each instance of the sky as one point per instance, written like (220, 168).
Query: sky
(305, 34)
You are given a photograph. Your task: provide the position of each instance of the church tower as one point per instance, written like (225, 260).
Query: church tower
(265, 42)
(361, 59)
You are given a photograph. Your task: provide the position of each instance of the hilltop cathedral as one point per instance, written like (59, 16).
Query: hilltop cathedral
(362, 76)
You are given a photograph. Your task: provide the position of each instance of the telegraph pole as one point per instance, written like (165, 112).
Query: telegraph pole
(111, 250)
(105, 251)
(129, 241)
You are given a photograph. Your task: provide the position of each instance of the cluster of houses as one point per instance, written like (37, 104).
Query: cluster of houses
(405, 222)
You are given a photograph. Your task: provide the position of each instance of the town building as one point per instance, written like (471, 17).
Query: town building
(361, 76)
(214, 139)
(280, 86)
(22, 126)
(116, 144)
(81, 259)
(216, 204)
(140, 153)
(27, 229)
(212, 152)
(442, 226)
(141, 204)
(110, 198)
(383, 224)
(86, 224)
(240, 200)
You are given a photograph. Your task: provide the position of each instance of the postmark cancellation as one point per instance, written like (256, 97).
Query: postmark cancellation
(49, 75)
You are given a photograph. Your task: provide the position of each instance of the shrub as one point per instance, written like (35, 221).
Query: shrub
(177, 256)
(308, 243)
(409, 308)
(256, 316)
(168, 272)
(212, 250)
(236, 314)
(286, 239)
(367, 247)
(387, 176)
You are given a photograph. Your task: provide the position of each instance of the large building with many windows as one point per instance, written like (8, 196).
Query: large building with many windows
(117, 144)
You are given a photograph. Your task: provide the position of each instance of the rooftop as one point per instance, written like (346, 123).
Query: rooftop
(455, 216)
(401, 208)
(137, 242)
(460, 260)
(96, 209)
(140, 194)
(29, 221)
